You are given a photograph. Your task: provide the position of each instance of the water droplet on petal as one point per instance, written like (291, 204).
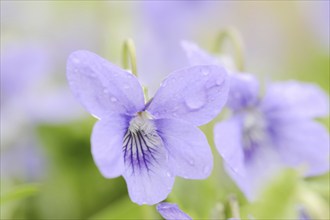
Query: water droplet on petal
(168, 174)
(219, 82)
(191, 162)
(163, 84)
(105, 91)
(206, 169)
(196, 101)
(75, 60)
(205, 72)
(113, 99)
(126, 86)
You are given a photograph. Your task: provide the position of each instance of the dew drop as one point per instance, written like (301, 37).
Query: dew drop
(163, 84)
(126, 86)
(105, 91)
(168, 174)
(206, 169)
(218, 82)
(191, 162)
(113, 99)
(76, 60)
(205, 72)
(196, 101)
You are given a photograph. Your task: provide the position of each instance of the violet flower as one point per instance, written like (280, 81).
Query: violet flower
(275, 131)
(171, 211)
(148, 144)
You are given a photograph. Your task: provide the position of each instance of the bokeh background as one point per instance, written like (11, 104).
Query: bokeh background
(47, 171)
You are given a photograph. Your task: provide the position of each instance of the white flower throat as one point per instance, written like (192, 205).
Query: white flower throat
(141, 143)
(254, 128)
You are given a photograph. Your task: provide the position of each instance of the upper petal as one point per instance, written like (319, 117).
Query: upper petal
(147, 173)
(102, 87)
(190, 155)
(228, 141)
(305, 144)
(244, 91)
(197, 56)
(296, 99)
(171, 211)
(107, 144)
(194, 94)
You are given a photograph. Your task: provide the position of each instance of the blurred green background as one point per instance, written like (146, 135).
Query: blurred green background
(47, 171)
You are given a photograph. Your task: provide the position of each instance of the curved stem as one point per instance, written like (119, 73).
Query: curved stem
(129, 54)
(234, 36)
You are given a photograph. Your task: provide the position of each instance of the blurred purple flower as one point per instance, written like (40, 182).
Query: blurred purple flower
(171, 211)
(277, 130)
(303, 214)
(159, 18)
(148, 144)
(265, 134)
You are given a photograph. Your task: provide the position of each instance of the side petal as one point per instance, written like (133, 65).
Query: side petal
(190, 155)
(101, 87)
(148, 184)
(296, 99)
(305, 144)
(244, 91)
(228, 141)
(194, 94)
(171, 211)
(107, 145)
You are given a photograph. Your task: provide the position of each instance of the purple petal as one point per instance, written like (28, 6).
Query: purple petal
(244, 90)
(171, 212)
(295, 99)
(304, 143)
(102, 87)
(195, 94)
(258, 172)
(107, 142)
(228, 141)
(302, 214)
(151, 185)
(189, 152)
(197, 56)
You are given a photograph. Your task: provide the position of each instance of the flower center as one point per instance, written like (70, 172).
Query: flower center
(254, 130)
(141, 143)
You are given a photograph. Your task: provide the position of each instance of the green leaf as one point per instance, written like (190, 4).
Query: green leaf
(20, 192)
(125, 209)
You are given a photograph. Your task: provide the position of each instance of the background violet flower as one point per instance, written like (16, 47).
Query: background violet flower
(277, 130)
(265, 134)
(148, 144)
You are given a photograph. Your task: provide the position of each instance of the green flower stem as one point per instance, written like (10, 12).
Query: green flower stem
(145, 92)
(129, 54)
(234, 207)
(236, 40)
